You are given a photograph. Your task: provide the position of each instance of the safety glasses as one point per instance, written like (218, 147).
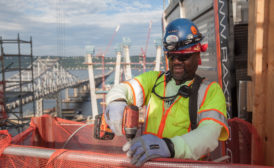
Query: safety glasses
(180, 56)
(173, 46)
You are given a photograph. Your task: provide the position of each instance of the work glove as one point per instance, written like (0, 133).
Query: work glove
(114, 116)
(146, 147)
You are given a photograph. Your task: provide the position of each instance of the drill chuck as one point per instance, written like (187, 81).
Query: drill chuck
(130, 132)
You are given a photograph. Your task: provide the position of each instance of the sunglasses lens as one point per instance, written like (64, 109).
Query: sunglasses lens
(184, 57)
(179, 56)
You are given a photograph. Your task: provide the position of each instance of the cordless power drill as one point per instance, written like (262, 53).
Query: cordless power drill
(129, 124)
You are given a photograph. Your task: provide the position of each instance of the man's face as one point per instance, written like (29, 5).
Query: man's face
(183, 66)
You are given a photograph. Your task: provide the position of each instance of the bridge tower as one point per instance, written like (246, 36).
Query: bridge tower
(118, 50)
(127, 69)
(158, 45)
(89, 52)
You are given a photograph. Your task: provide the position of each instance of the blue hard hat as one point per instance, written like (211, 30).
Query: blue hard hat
(181, 34)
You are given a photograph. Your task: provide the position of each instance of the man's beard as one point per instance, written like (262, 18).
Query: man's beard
(181, 78)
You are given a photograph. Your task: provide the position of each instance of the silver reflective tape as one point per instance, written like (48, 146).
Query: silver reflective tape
(139, 97)
(201, 92)
(212, 114)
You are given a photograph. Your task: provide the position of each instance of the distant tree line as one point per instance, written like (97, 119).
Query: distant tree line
(13, 62)
(79, 62)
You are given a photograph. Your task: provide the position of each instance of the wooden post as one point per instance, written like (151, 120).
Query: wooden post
(269, 125)
(261, 69)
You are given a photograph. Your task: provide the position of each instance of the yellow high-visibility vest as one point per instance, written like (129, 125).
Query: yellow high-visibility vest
(175, 120)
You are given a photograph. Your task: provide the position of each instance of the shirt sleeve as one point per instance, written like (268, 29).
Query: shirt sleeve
(213, 108)
(120, 91)
(196, 143)
(135, 91)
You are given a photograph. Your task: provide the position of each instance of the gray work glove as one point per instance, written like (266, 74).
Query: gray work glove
(114, 116)
(146, 147)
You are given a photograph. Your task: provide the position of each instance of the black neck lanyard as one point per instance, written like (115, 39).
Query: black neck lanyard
(184, 91)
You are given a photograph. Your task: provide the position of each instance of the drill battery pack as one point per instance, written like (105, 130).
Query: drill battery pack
(129, 124)
(101, 129)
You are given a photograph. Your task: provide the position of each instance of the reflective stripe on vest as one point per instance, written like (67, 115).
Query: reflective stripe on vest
(138, 92)
(201, 93)
(212, 114)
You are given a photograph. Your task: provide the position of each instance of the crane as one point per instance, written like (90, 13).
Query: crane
(144, 52)
(103, 59)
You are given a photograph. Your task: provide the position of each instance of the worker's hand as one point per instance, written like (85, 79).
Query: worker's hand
(144, 148)
(114, 116)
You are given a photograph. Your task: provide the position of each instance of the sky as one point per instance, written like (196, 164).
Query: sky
(65, 27)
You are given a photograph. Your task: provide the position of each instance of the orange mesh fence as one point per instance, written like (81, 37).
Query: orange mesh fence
(5, 140)
(48, 143)
(55, 133)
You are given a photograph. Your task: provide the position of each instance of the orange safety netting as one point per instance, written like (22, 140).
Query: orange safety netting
(48, 142)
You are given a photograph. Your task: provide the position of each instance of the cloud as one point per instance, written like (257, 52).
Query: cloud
(10, 26)
(76, 23)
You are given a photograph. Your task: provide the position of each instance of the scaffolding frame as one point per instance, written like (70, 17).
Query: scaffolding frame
(16, 119)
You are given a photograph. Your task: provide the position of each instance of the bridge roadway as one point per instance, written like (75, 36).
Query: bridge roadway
(49, 78)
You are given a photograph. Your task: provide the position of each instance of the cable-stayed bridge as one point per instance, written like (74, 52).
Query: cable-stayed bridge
(49, 78)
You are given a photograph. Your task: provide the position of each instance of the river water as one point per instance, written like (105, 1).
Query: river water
(85, 106)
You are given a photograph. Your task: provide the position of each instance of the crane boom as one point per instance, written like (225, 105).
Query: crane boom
(145, 52)
(110, 42)
(148, 36)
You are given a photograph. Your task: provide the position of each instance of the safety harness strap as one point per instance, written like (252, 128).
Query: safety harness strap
(193, 101)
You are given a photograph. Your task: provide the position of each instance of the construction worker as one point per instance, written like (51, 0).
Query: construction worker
(186, 114)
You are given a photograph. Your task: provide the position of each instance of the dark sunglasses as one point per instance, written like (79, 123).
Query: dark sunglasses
(173, 46)
(180, 56)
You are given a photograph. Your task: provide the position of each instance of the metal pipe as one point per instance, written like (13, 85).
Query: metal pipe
(45, 153)
(107, 159)
(29, 151)
(92, 158)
